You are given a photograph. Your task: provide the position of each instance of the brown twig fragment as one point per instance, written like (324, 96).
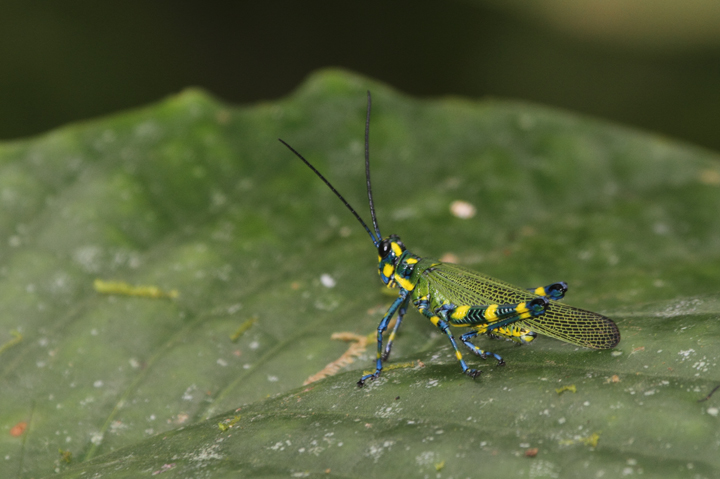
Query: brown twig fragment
(357, 347)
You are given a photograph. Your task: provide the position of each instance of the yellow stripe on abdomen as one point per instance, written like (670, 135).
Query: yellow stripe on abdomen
(460, 312)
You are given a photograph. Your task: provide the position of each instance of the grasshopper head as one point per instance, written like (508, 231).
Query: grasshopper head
(389, 250)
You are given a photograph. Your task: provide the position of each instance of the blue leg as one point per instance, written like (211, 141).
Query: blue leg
(465, 338)
(380, 330)
(443, 326)
(401, 314)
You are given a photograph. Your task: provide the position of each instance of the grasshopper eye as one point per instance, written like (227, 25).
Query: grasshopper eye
(384, 249)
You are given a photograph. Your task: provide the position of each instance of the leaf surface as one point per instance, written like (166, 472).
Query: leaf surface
(199, 197)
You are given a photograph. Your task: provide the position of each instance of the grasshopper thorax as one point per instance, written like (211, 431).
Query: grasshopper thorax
(389, 252)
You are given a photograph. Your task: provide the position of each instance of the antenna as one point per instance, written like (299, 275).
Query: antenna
(375, 240)
(367, 166)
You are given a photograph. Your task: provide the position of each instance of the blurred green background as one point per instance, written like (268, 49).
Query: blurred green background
(651, 64)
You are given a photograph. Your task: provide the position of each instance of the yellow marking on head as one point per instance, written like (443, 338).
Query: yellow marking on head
(540, 291)
(404, 283)
(379, 258)
(458, 355)
(491, 312)
(388, 270)
(411, 261)
(396, 248)
(460, 312)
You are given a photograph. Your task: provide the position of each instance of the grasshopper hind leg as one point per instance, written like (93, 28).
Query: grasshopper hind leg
(495, 320)
(465, 338)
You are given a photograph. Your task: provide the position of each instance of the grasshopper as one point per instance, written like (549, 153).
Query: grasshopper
(450, 295)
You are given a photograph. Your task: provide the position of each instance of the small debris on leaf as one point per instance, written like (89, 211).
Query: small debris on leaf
(570, 388)
(532, 452)
(462, 209)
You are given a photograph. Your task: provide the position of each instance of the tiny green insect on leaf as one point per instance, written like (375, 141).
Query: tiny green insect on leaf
(450, 295)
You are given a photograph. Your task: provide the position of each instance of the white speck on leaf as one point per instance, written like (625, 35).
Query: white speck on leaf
(462, 209)
(327, 281)
(427, 458)
(686, 354)
(187, 396)
(205, 454)
(96, 438)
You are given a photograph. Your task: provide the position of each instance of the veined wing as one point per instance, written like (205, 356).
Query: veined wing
(576, 326)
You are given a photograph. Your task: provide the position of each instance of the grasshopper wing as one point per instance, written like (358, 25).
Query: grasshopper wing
(573, 325)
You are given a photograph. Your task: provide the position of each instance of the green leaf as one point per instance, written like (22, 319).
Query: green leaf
(199, 197)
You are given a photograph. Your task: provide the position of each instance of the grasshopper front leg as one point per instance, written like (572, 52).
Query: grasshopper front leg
(382, 327)
(393, 333)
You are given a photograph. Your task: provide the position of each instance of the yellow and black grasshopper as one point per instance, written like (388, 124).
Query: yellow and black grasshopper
(450, 295)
